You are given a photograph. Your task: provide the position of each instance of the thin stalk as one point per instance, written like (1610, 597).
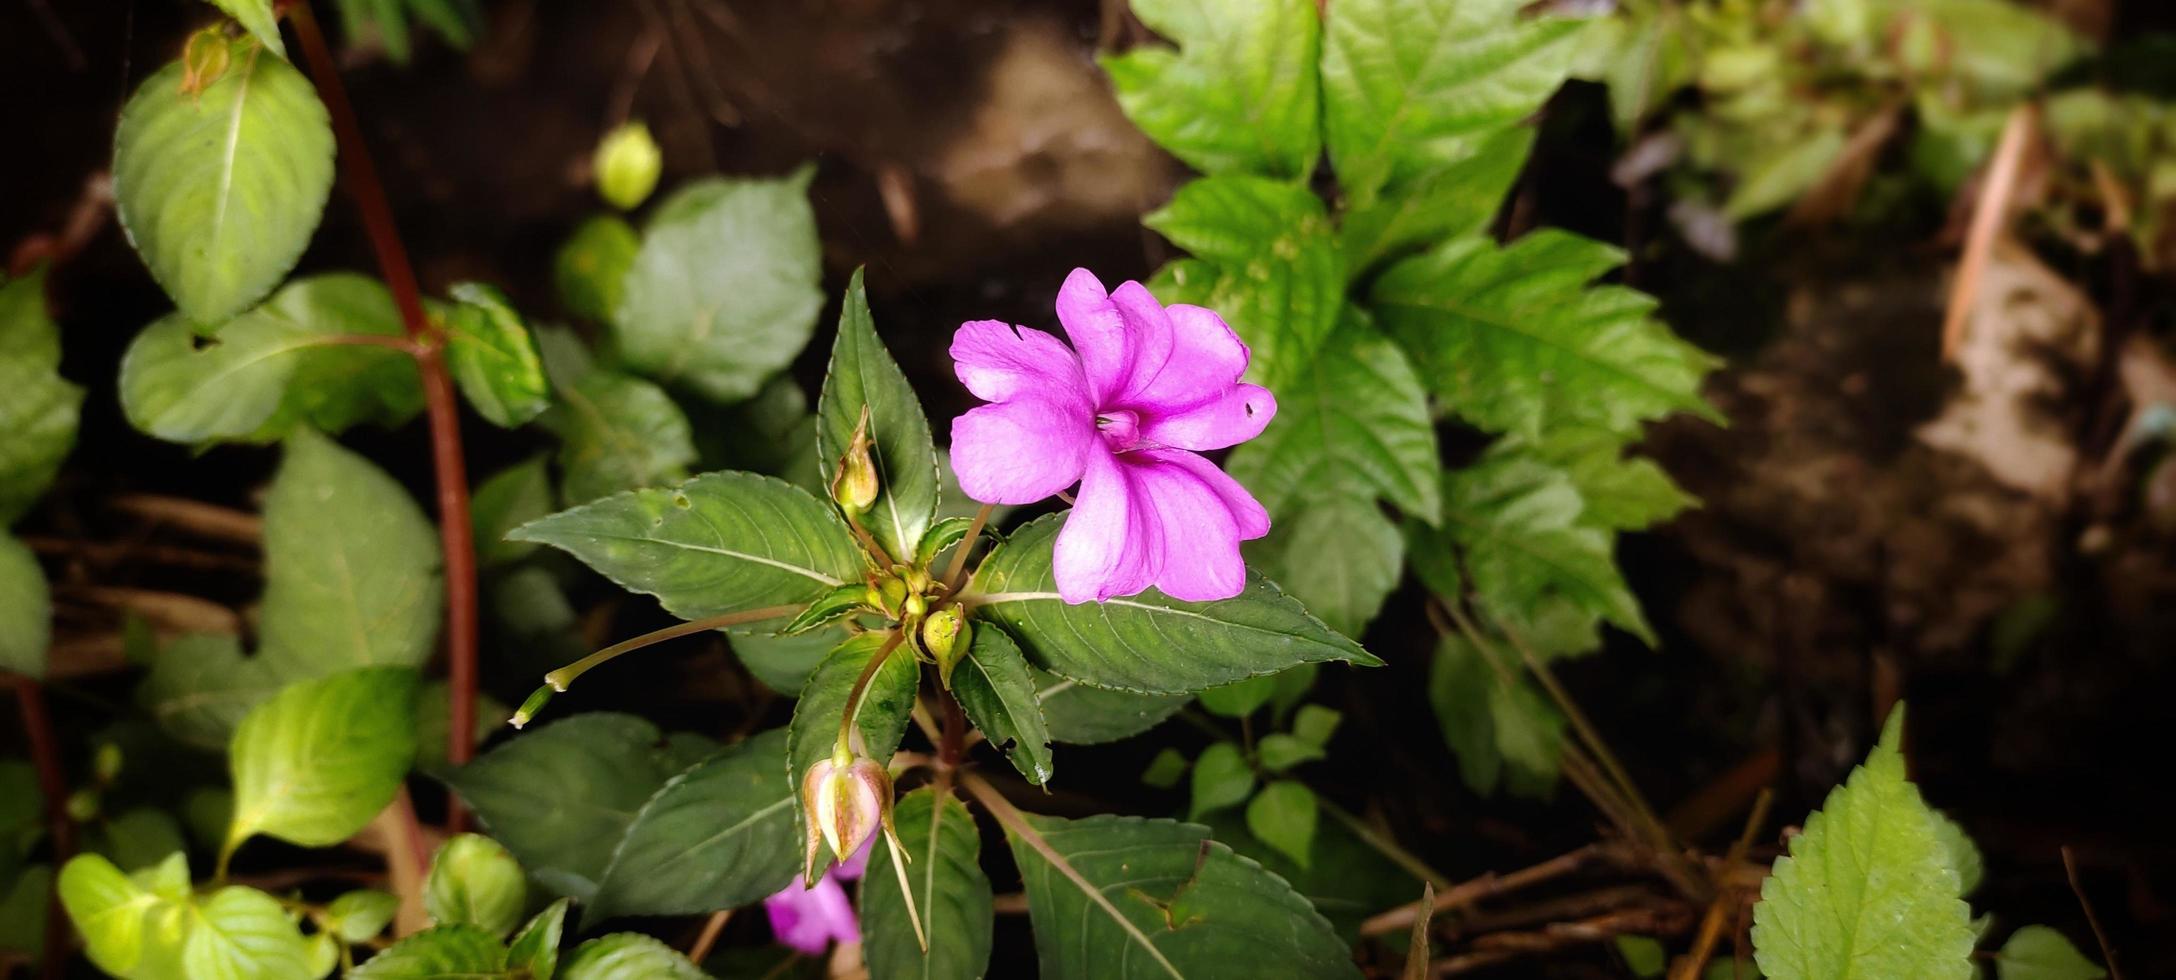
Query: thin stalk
(1388, 848)
(560, 679)
(954, 743)
(1587, 732)
(967, 544)
(861, 686)
(53, 784)
(454, 529)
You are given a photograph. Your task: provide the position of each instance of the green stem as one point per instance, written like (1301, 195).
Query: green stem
(861, 687)
(967, 544)
(1388, 848)
(564, 676)
(1587, 733)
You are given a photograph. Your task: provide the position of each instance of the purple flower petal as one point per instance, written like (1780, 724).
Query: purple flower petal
(1238, 415)
(852, 868)
(1112, 543)
(809, 919)
(1119, 335)
(1206, 359)
(1021, 451)
(999, 362)
(1201, 512)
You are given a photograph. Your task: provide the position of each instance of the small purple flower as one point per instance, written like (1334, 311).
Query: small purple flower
(810, 919)
(1124, 411)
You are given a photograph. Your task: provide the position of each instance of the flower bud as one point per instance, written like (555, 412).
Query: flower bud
(890, 595)
(843, 800)
(627, 165)
(854, 484)
(106, 763)
(204, 59)
(532, 707)
(946, 635)
(83, 805)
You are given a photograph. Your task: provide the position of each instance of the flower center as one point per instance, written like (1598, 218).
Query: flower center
(1120, 428)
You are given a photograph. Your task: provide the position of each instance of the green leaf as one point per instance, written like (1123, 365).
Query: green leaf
(722, 542)
(1241, 699)
(257, 18)
(783, 663)
(882, 717)
(1149, 643)
(862, 375)
(562, 796)
(492, 358)
(272, 367)
(219, 190)
(39, 410)
(536, 947)
(828, 608)
(243, 934)
(717, 836)
(995, 687)
(1450, 201)
(1621, 493)
(940, 538)
(474, 880)
(26, 610)
(773, 433)
(1644, 956)
(2041, 953)
(1279, 752)
(1283, 816)
(1412, 85)
(1338, 555)
(591, 268)
(351, 566)
(315, 763)
(200, 687)
(627, 956)
(1783, 171)
(128, 930)
(1504, 733)
(1222, 778)
(723, 292)
(1081, 715)
(458, 952)
(1347, 882)
(25, 901)
(510, 498)
(362, 914)
(138, 839)
(1166, 769)
(951, 894)
(1266, 258)
(1515, 339)
(384, 23)
(617, 433)
(1240, 95)
(1158, 898)
(1963, 854)
(1315, 724)
(1867, 890)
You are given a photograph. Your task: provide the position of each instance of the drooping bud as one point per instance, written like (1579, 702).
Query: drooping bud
(946, 635)
(854, 485)
(628, 162)
(532, 707)
(843, 800)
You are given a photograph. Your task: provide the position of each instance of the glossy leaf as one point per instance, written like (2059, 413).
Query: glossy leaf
(128, 930)
(1265, 258)
(1867, 890)
(1172, 904)
(1082, 715)
(241, 933)
(535, 948)
(201, 685)
(627, 956)
(474, 880)
(26, 610)
(39, 410)
(492, 358)
(351, 566)
(716, 836)
(1148, 643)
(457, 952)
(312, 765)
(220, 189)
(1283, 816)
(719, 543)
(994, 686)
(828, 608)
(951, 895)
(562, 795)
(723, 292)
(616, 433)
(1409, 85)
(1515, 339)
(2041, 953)
(862, 375)
(1222, 778)
(1240, 95)
(591, 268)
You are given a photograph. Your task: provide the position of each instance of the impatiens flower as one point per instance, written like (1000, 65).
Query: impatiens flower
(1123, 412)
(810, 919)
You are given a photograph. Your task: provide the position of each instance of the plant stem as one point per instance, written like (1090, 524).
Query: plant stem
(563, 677)
(953, 745)
(1588, 734)
(861, 686)
(53, 785)
(454, 530)
(967, 544)
(1388, 848)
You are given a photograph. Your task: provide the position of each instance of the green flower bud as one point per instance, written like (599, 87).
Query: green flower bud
(532, 707)
(892, 596)
(627, 165)
(83, 805)
(946, 635)
(854, 484)
(106, 763)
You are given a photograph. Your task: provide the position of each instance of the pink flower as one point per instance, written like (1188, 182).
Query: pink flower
(1124, 411)
(810, 919)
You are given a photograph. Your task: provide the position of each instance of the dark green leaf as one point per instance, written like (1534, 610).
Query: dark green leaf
(1283, 816)
(951, 895)
(1266, 259)
(138, 839)
(591, 268)
(994, 686)
(1279, 752)
(220, 189)
(1315, 724)
(627, 956)
(1222, 778)
(828, 608)
(1240, 95)
(617, 433)
(384, 23)
(200, 687)
(862, 375)
(1162, 900)
(25, 901)
(717, 836)
(1165, 770)
(1241, 699)
(474, 881)
(351, 566)
(783, 663)
(460, 952)
(1337, 554)
(536, 947)
(722, 542)
(38, 408)
(1348, 882)
(723, 292)
(1081, 715)
(26, 610)
(940, 538)
(1503, 731)
(492, 358)
(312, 765)
(510, 498)
(1148, 643)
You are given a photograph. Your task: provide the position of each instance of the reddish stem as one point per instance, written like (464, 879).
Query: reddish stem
(53, 783)
(451, 472)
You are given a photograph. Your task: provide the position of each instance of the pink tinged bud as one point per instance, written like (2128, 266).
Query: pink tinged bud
(843, 803)
(854, 486)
